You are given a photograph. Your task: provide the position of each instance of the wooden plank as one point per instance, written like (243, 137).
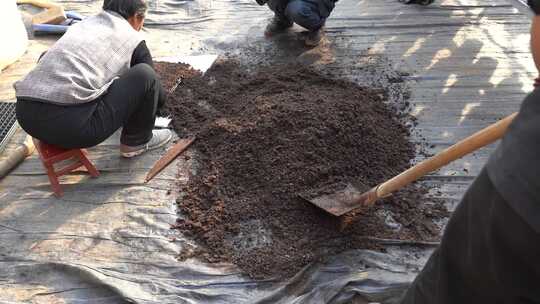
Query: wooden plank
(169, 156)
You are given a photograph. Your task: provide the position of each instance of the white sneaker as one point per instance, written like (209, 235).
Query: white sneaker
(159, 139)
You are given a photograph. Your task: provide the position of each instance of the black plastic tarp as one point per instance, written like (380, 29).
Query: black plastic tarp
(108, 240)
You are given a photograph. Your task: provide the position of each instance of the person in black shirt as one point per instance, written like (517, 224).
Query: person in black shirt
(490, 249)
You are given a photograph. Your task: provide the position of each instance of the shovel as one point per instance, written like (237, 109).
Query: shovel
(352, 198)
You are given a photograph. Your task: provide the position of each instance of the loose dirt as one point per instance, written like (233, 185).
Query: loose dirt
(267, 135)
(172, 74)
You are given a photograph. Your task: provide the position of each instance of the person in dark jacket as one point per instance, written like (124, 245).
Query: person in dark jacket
(490, 249)
(310, 14)
(97, 78)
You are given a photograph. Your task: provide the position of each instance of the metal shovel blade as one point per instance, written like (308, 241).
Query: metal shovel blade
(343, 201)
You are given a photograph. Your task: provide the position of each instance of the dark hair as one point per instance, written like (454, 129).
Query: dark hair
(126, 8)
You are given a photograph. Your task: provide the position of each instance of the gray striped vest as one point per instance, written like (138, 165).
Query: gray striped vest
(82, 64)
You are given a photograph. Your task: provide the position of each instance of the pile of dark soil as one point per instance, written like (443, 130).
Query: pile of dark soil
(265, 136)
(171, 73)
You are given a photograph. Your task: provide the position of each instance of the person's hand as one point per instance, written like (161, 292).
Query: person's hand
(535, 40)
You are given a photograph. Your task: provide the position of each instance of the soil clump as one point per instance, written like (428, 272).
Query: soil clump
(267, 135)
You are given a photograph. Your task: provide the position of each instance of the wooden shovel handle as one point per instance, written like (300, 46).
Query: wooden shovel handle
(478, 140)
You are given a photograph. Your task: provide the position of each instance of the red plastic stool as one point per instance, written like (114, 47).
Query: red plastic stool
(50, 155)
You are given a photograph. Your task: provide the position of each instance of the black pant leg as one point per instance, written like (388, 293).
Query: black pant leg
(141, 54)
(131, 102)
(305, 13)
(278, 7)
(63, 126)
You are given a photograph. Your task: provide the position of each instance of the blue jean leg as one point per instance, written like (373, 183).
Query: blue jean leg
(305, 13)
(278, 7)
